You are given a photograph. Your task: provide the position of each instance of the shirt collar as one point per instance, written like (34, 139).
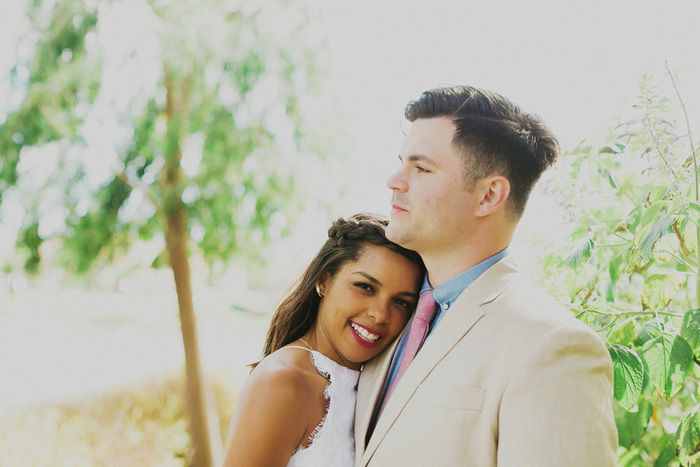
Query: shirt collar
(448, 292)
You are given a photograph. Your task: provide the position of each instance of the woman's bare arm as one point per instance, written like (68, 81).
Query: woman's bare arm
(271, 417)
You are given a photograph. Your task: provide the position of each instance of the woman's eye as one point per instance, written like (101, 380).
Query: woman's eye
(422, 169)
(364, 286)
(403, 304)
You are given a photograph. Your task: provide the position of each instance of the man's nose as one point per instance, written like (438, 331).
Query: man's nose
(397, 181)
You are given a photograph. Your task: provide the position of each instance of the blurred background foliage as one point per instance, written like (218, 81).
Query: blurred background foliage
(221, 89)
(202, 152)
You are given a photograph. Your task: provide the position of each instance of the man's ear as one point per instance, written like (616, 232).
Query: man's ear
(494, 191)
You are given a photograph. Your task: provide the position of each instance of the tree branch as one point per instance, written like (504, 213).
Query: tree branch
(633, 313)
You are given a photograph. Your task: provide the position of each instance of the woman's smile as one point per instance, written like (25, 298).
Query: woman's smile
(370, 298)
(364, 336)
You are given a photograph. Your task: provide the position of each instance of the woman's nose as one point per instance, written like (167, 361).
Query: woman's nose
(380, 313)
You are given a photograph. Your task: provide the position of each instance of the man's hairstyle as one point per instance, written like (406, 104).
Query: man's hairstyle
(493, 136)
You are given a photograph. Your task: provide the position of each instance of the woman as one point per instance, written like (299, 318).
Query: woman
(297, 406)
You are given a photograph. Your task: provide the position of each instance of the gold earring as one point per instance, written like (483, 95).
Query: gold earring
(318, 290)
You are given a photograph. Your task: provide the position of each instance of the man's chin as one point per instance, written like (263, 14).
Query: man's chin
(395, 233)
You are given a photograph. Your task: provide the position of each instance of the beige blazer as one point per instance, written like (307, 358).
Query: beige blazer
(507, 378)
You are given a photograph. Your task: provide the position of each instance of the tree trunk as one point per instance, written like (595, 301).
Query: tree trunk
(176, 243)
(205, 436)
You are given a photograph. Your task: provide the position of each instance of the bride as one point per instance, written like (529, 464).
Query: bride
(297, 406)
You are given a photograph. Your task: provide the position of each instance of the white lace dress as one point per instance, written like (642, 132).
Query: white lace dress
(332, 442)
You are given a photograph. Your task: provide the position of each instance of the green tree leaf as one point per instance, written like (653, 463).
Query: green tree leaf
(612, 148)
(570, 283)
(667, 360)
(688, 434)
(631, 425)
(651, 212)
(657, 230)
(688, 231)
(657, 193)
(624, 333)
(580, 254)
(628, 375)
(694, 211)
(690, 330)
(660, 289)
(631, 458)
(667, 451)
(650, 329)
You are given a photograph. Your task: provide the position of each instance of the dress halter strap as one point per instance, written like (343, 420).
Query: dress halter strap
(308, 347)
(306, 343)
(297, 347)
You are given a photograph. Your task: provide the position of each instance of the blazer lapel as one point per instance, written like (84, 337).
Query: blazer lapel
(451, 329)
(455, 324)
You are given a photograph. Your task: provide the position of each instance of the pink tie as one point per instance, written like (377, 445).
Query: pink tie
(417, 334)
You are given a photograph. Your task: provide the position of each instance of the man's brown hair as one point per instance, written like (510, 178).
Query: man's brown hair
(493, 136)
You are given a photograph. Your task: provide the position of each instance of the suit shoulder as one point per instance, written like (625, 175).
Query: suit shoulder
(526, 309)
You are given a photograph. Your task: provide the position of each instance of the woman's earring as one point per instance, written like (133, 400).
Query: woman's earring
(318, 290)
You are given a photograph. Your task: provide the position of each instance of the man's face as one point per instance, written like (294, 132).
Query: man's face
(431, 207)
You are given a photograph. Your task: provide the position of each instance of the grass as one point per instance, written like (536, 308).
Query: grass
(143, 426)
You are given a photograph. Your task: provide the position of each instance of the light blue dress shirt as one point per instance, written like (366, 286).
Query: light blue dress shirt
(444, 296)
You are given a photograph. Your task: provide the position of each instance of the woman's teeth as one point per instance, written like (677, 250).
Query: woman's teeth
(364, 333)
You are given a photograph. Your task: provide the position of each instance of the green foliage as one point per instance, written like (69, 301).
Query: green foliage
(690, 330)
(631, 272)
(667, 360)
(215, 123)
(629, 375)
(62, 77)
(688, 434)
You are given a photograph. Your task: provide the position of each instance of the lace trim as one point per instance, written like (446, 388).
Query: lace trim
(326, 393)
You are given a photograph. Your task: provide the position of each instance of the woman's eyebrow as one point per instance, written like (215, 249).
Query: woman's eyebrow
(368, 277)
(410, 294)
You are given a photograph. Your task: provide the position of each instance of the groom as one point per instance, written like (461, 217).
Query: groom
(490, 371)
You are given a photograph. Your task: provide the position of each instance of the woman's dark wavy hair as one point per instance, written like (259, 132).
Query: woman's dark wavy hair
(347, 238)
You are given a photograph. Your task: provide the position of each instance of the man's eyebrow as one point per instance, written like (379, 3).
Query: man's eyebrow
(416, 158)
(368, 277)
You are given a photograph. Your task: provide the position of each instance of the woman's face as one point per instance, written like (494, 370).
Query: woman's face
(365, 305)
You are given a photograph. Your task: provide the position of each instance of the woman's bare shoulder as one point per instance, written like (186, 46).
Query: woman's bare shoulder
(289, 371)
(273, 411)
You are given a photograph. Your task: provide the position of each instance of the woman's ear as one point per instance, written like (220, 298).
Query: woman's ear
(324, 283)
(494, 192)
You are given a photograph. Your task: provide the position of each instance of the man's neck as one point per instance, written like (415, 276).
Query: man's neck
(443, 267)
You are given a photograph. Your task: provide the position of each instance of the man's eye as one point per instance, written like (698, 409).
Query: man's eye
(422, 169)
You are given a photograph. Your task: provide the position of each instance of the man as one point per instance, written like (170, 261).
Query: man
(505, 376)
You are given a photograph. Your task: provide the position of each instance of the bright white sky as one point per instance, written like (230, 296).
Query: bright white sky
(577, 64)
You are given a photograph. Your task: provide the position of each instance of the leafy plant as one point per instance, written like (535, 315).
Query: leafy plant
(633, 272)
